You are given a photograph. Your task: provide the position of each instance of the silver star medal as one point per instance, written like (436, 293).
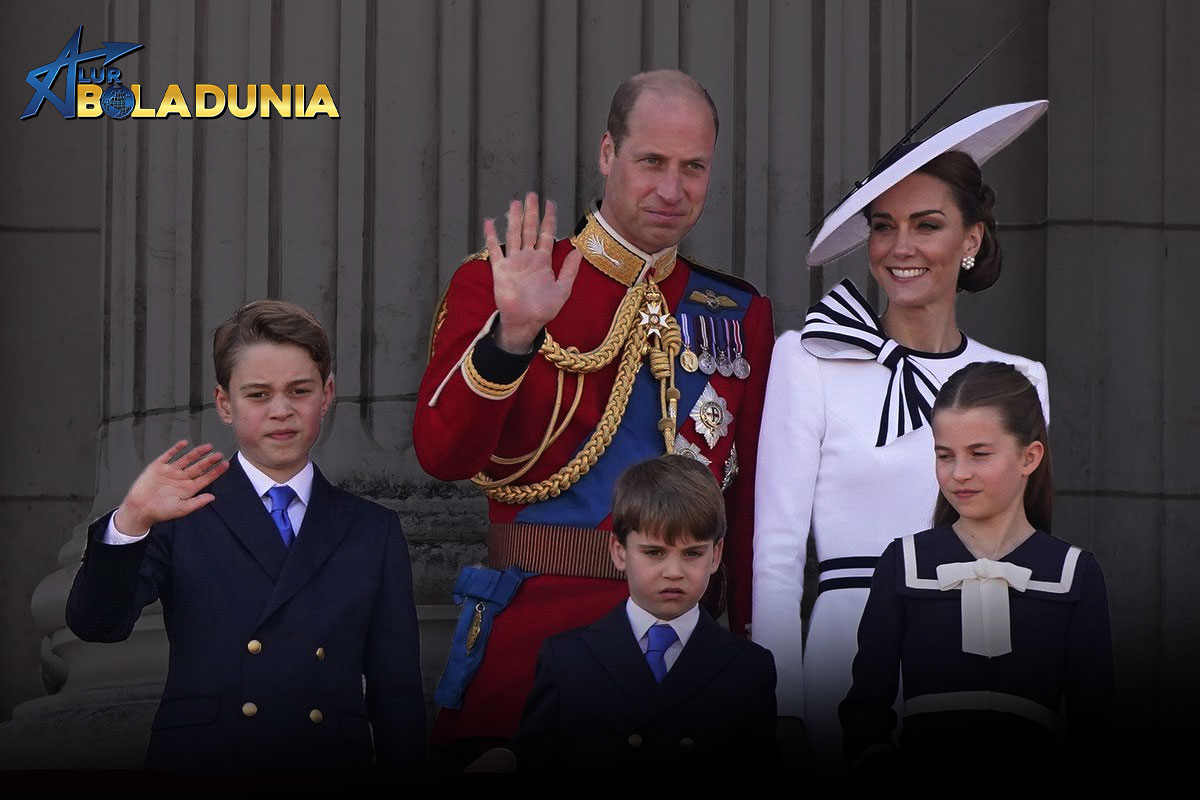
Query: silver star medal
(685, 448)
(731, 469)
(711, 415)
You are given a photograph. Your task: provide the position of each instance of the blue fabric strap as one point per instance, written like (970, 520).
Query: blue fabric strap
(483, 593)
(281, 498)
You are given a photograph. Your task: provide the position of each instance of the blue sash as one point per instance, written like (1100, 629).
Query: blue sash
(588, 502)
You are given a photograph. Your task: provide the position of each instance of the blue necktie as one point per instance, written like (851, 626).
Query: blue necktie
(659, 638)
(281, 498)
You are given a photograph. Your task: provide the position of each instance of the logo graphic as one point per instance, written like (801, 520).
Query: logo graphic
(42, 78)
(117, 101)
(96, 91)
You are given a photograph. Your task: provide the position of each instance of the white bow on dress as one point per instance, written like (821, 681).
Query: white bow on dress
(984, 584)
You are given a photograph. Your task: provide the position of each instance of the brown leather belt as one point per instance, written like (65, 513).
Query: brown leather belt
(551, 550)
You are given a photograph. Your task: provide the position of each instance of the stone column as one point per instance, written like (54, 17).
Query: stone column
(447, 110)
(50, 213)
(1123, 239)
(201, 215)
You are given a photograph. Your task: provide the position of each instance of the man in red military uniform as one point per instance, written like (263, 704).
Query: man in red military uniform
(554, 365)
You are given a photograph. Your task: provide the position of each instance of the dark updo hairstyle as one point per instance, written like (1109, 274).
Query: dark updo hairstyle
(975, 201)
(992, 384)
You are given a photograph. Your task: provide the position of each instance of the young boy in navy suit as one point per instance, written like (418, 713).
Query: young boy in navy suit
(657, 682)
(287, 601)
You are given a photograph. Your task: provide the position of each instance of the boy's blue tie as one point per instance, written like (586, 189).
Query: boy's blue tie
(659, 638)
(281, 498)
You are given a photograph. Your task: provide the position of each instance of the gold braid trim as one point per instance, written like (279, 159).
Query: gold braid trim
(541, 448)
(527, 461)
(484, 387)
(438, 319)
(662, 367)
(440, 316)
(660, 350)
(585, 459)
(571, 360)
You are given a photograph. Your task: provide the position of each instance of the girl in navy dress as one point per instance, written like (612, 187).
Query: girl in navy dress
(999, 631)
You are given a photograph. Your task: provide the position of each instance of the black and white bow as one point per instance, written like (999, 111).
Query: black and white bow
(843, 325)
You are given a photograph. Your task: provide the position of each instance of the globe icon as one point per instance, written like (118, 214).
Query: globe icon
(117, 101)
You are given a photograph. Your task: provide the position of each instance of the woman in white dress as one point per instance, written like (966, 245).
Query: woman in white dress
(847, 452)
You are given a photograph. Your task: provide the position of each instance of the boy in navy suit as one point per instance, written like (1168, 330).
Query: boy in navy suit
(657, 682)
(287, 601)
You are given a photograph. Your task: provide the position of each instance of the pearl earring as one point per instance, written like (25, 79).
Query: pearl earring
(968, 262)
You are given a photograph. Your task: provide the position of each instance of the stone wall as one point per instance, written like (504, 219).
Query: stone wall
(128, 241)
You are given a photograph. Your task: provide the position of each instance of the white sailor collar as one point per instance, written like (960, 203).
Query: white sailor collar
(984, 587)
(1051, 563)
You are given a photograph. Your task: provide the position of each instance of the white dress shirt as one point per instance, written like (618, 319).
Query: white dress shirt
(642, 620)
(301, 483)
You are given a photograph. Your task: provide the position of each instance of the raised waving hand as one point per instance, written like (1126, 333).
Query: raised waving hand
(168, 489)
(527, 292)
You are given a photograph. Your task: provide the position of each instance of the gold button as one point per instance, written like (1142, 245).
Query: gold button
(635, 740)
(315, 715)
(249, 709)
(686, 745)
(320, 654)
(254, 646)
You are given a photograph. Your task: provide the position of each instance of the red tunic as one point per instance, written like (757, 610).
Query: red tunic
(468, 413)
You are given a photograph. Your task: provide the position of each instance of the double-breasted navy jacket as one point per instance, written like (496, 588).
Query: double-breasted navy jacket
(596, 706)
(280, 659)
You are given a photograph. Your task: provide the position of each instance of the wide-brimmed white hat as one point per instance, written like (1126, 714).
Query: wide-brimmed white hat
(981, 136)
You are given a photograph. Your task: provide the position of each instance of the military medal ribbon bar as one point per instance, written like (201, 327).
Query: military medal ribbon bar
(724, 363)
(741, 367)
(687, 358)
(707, 364)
